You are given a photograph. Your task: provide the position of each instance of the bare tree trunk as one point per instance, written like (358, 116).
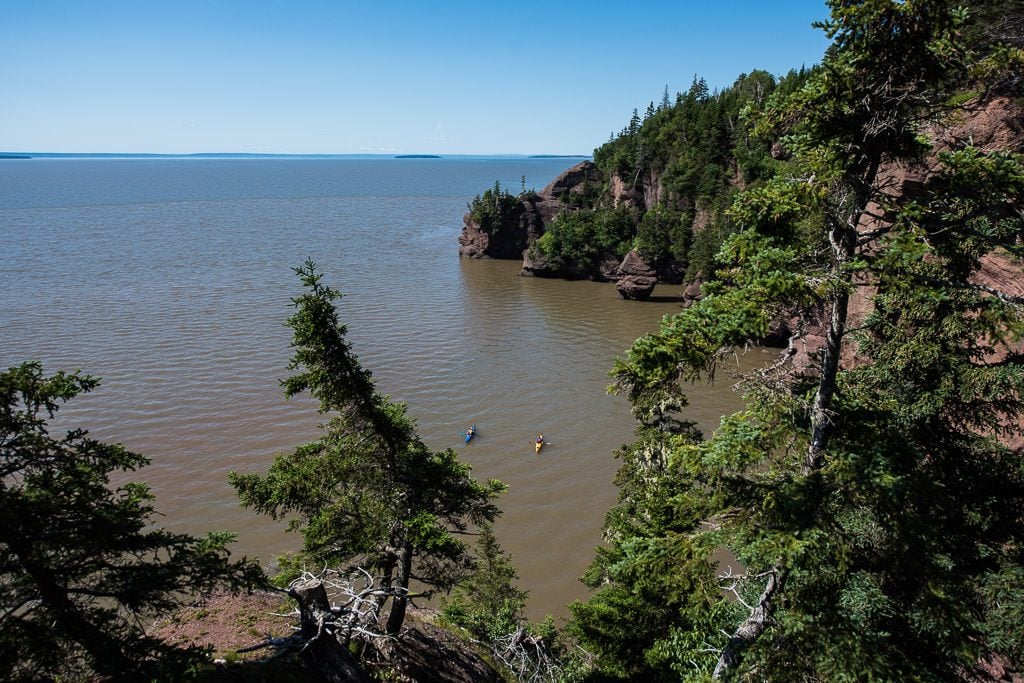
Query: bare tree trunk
(323, 652)
(386, 583)
(843, 238)
(749, 630)
(827, 381)
(313, 603)
(400, 601)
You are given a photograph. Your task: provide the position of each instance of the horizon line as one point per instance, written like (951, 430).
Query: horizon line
(290, 154)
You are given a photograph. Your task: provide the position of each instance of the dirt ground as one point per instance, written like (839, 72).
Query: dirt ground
(229, 622)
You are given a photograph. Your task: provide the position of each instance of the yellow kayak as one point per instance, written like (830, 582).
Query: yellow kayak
(538, 444)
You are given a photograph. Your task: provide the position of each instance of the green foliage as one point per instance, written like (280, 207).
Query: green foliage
(1000, 595)
(494, 207)
(81, 564)
(487, 603)
(290, 566)
(697, 146)
(664, 234)
(870, 510)
(576, 241)
(489, 606)
(368, 492)
(994, 22)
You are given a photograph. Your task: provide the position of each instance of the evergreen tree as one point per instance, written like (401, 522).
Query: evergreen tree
(368, 492)
(488, 603)
(634, 124)
(698, 89)
(81, 566)
(870, 509)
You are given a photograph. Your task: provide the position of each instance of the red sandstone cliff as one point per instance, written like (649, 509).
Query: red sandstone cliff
(991, 124)
(527, 220)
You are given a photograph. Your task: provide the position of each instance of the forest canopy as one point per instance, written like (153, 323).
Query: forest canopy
(860, 518)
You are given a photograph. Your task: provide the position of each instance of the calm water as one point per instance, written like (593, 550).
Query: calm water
(171, 279)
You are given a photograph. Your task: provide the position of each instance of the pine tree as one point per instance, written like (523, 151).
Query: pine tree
(369, 492)
(81, 564)
(869, 508)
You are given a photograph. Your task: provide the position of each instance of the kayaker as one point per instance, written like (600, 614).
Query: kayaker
(540, 438)
(470, 432)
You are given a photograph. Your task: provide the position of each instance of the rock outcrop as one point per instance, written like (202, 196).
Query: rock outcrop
(509, 239)
(991, 124)
(524, 224)
(537, 265)
(572, 181)
(624, 194)
(642, 192)
(691, 292)
(636, 279)
(527, 220)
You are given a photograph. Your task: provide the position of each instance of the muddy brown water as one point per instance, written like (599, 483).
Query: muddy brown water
(171, 280)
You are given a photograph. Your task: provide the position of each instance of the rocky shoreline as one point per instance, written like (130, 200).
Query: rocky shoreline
(520, 228)
(991, 122)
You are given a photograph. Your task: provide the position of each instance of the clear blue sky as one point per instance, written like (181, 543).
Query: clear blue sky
(373, 76)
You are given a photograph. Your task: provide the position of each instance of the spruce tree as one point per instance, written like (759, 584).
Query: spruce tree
(368, 492)
(82, 567)
(488, 603)
(852, 522)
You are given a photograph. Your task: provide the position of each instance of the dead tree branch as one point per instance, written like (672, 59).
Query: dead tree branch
(752, 627)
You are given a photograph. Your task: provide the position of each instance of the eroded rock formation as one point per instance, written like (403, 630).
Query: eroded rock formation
(994, 123)
(524, 224)
(636, 279)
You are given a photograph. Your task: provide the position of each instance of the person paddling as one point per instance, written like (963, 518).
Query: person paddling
(540, 443)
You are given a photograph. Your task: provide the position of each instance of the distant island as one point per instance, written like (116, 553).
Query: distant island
(418, 156)
(14, 156)
(558, 156)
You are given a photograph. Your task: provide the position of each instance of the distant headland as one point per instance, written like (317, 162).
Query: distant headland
(418, 156)
(14, 156)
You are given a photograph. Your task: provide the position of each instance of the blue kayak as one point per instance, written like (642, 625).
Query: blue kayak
(470, 433)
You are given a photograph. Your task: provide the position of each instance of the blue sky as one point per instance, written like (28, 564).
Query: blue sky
(307, 77)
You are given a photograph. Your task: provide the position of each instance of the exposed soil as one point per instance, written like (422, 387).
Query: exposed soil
(229, 622)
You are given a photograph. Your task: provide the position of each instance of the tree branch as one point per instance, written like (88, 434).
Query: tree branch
(750, 629)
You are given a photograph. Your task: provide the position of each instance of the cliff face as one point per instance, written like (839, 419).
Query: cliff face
(993, 124)
(648, 190)
(516, 232)
(527, 220)
(525, 223)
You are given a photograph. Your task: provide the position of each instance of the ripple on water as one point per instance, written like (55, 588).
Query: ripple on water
(179, 303)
